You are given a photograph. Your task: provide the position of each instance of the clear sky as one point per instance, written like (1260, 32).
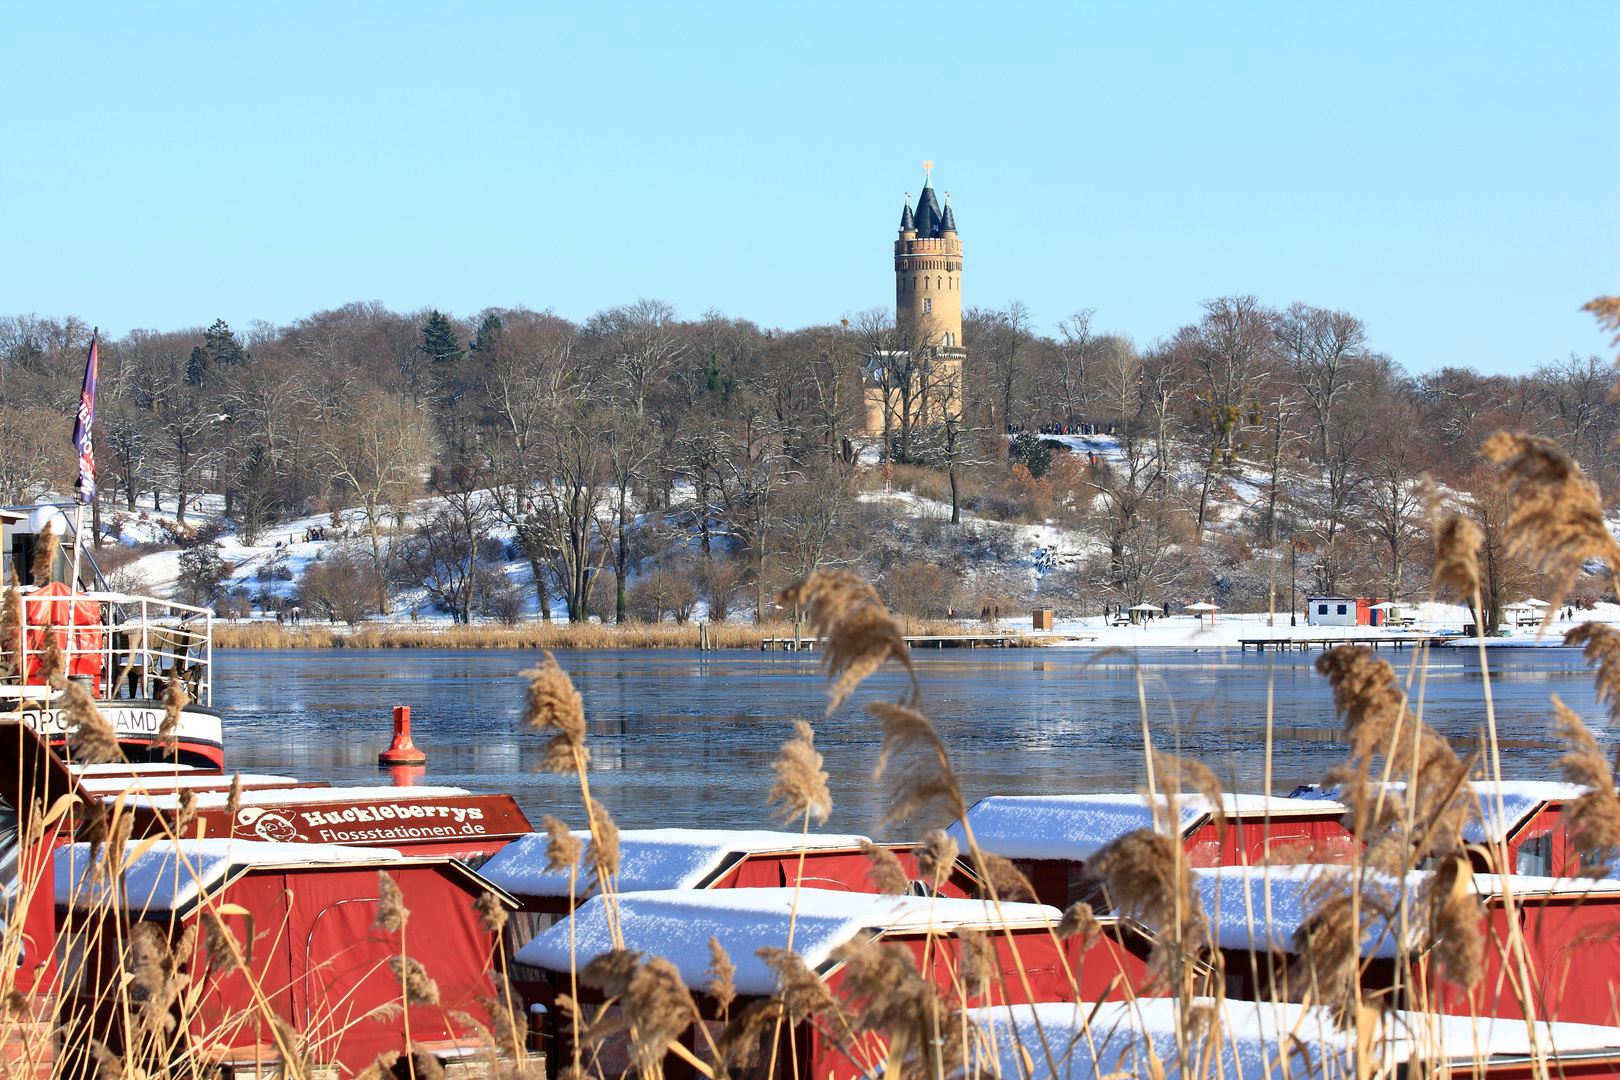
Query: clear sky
(1449, 173)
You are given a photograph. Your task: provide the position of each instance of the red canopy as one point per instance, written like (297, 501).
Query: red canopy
(53, 605)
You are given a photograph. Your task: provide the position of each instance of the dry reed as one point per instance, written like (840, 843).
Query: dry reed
(978, 963)
(233, 801)
(43, 568)
(186, 815)
(563, 848)
(1148, 879)
(11, 631)
(800, 790)
(554, 705)
(1181, 774)
(859, 631)
(392, 914)
(93, 740)
(722, 973)
(417, 986)
(936, 859)
(1601, 649)
(1592, 821)
(492, 913)
(610, 972)
(220, 943)
(174, 699)
(1079, 921)
(1006, 879)
(925, 777)
(1556, 515)
(658, 1009)
(604, 849)
(800, 990)
(885, 871)
(1457, 541)
(52, 664)
(1456, 915)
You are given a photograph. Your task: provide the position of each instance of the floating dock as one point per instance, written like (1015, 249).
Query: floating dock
(1305, 642)
(1000, 639)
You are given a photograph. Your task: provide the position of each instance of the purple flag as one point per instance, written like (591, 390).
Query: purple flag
(82, 438)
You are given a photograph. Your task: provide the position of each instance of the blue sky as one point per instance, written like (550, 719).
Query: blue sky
(1449, 173)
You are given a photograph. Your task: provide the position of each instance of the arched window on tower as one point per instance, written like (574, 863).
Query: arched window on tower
(928, 307)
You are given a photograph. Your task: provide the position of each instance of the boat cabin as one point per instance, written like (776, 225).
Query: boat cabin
(303, 919)
(661, 859)
(1139, 1039)
(1568, 925)
(1050, 837)
(422, 820)
(678, 925)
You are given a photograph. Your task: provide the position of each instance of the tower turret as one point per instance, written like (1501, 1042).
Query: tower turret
(928, 275)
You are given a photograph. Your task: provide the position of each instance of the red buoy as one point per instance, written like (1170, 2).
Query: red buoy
(403, 752)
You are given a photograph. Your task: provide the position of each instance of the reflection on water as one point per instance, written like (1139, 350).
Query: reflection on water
(686, 738)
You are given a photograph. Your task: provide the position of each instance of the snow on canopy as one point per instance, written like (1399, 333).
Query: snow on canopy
(677, 925)
(216, 800)
(169, 876)
(649, 859)
(1285, 892)
(1521, 800)
(135, 768)
(1075, 827)
(1249, 1033)
(112, 785)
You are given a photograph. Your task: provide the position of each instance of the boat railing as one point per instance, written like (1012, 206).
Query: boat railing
(135, 646)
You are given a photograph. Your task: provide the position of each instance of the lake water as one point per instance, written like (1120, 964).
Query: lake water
(687, 738)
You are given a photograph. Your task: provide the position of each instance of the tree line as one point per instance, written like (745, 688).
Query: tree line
(640, 463)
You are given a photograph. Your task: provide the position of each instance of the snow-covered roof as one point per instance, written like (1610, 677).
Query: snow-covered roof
(677, 925)
(1521, 799)
(1120, 1034)
(1526, 885)
(134, 768)
(1277, 898)
(216, 800)
(170, 875)
(649, 859)
(1075, 827)
(112, 785)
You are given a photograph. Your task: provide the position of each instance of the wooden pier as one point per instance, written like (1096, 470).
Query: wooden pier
(1308, 642)
(1000, 639)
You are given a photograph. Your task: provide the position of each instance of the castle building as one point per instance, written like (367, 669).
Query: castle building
(917, 379)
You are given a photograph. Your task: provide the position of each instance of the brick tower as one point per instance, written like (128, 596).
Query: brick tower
(921, 377)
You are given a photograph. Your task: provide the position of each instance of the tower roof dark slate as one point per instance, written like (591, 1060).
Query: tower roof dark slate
(949, 224)
(929, 218)
(906, 222)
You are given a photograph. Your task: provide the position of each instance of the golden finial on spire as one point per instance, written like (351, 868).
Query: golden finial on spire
(928, 167)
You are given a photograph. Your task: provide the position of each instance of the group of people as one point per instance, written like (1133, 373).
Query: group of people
(313, 533)
(1062, 429)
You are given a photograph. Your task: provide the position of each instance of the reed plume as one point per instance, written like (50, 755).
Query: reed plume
(859, 631)
(926, 776)
(492, 914)
(800, 990)
(219, 943)
(659, 1009)
(153, 979)
(886, 993)
(1006, 879)
(93, 739)
(978, 963)
(1456, 914)
(722, 973)
(175, 698)
(554, 705)
(1602, 651)
(43, 569)
(413, 978)
(233, 801)
(800, 790)
(1457, 541)
(1606, 310)
(1179, 774)
(563, 848)
(186, 816)
(1080, 921)
(381, 1068)
(885, 870)
(11, 631)
(610, 972)
(425, 1064)
(112, 855)
(392, 914)
(604, 849)
(1556, 513)
(936, 859)
(1148, 879)
(1592, 821)
(1366, 694)
(52, 664)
